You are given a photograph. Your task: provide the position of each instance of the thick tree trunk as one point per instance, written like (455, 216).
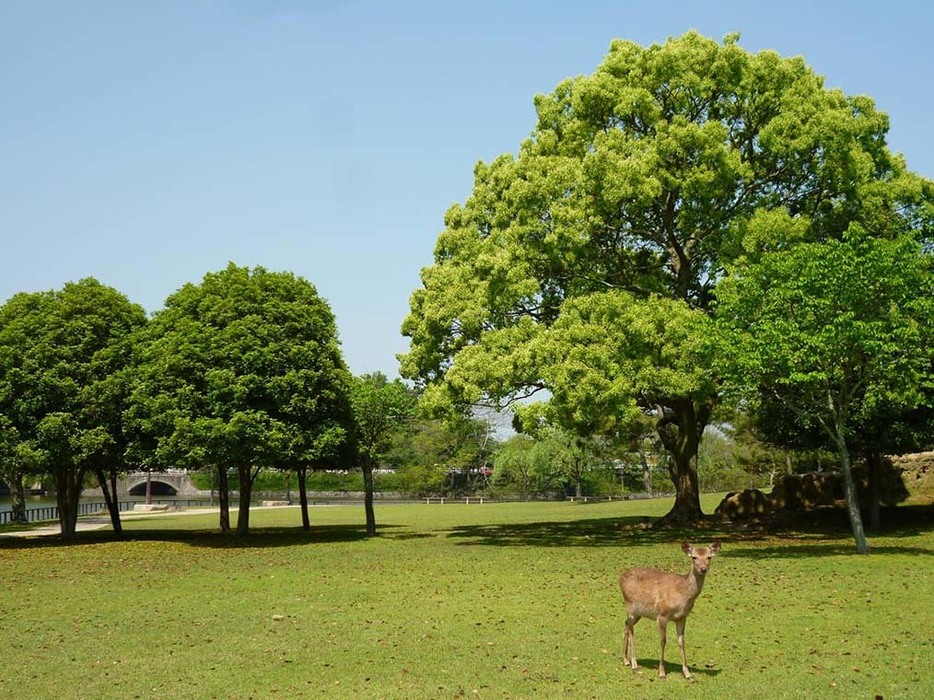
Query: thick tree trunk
(67, 492)
(687, 507)
(110, 498)
(303, 496)
(18, 498)
(680, 429)
(368, 499)
(247, 477)
(223, 497)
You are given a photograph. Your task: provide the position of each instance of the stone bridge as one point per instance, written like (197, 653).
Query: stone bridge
(173, 483)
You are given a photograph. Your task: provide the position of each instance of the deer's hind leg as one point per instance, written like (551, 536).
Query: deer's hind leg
(662, 634)
(629, 649)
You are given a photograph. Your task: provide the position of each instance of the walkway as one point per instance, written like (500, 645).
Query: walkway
(97, 522)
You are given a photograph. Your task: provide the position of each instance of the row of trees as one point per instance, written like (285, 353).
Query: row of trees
(240, 373)
(690, 229)
(690, 232)
(175, 391)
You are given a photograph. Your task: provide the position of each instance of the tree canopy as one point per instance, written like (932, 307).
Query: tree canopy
(586, 265)
(242, 372)
(63, 356)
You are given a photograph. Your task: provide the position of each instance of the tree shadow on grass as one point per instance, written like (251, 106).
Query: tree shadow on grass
(816, 533)
(258, 537)
(403, 536)
(589, 532)
(811, 548)
(602, 532)
(825, 532)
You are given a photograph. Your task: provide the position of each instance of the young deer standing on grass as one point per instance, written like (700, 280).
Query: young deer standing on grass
(664, 596)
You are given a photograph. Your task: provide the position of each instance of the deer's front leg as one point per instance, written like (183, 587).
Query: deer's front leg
(662, 633)
(684, 660)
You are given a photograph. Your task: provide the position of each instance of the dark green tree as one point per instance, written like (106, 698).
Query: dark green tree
(439, 456)
(63, 356)
(239, 373)
(834, 334)
(12, 468)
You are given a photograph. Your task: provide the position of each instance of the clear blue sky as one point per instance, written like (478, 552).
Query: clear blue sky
(147, 143)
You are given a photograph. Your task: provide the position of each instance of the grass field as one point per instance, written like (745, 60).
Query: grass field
(458, 601)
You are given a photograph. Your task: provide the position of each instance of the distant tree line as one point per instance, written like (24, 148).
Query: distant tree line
(241, 378)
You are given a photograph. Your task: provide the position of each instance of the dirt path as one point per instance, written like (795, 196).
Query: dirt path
(99, 522)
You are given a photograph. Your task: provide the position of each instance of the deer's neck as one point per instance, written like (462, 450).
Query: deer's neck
(694, 581)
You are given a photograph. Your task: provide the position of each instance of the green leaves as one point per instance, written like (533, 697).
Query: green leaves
(62, 358)
(244, 369)
(610, 353)
(381, 408)
(588, 264)
(63, 383)
(843, 319)
(649, 177)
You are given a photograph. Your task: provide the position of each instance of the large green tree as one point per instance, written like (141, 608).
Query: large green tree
(239, 373)
(837, 335)
(62, 356)
(638, 185)
(381, 408)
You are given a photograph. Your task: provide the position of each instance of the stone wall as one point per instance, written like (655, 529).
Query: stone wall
(903, 478)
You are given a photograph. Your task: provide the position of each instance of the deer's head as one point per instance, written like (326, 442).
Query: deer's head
(701, 556)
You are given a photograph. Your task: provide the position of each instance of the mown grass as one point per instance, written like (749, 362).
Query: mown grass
(456, 601)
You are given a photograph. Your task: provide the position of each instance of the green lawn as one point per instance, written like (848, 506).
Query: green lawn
(457, 601)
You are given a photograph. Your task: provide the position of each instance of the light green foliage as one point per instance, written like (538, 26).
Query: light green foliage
(523, 465)
(611, 354)
(242, 372)
(63, 381)
(640, 183)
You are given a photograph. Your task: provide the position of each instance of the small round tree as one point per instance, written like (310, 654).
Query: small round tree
(63, 360)
(240, 373)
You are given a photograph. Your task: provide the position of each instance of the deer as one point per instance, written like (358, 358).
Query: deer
(664, 596)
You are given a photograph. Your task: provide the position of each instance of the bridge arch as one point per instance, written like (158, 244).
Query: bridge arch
(156, 488)
(167, 483)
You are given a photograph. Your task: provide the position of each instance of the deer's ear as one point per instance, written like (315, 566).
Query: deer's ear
(714, 547)
(687, 548)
